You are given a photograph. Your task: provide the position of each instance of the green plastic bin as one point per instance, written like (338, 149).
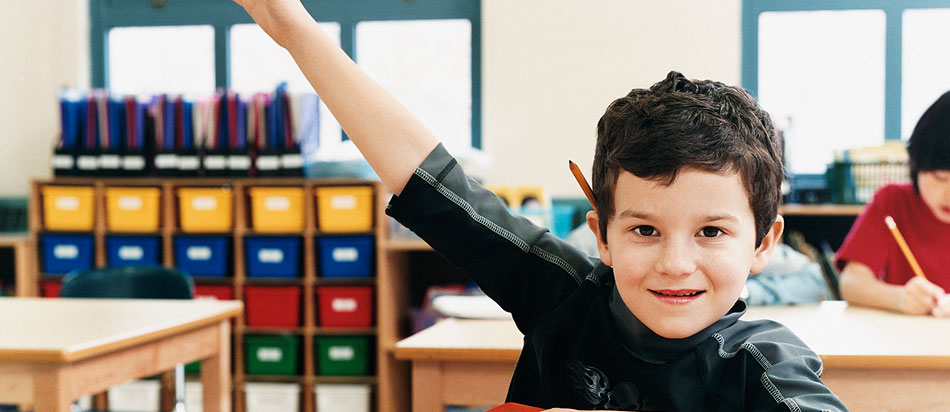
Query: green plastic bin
(271, 354)
(342, 355)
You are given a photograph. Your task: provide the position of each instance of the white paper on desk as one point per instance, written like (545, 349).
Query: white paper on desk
(469, 307)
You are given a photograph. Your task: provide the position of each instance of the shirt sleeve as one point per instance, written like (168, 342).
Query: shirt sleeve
(867, 241)
(522, 267)
(785, 374)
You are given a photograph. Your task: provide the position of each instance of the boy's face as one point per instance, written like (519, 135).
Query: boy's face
(681, 253)
(935, 189)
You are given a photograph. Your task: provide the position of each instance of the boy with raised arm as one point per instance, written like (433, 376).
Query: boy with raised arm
(686, 177)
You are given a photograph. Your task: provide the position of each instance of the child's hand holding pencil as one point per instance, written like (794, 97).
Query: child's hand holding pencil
(919, 295)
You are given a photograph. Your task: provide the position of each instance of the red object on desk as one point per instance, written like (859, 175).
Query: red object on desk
(514, 407)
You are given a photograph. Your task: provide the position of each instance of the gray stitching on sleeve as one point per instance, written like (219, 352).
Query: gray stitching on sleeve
(765, 364)
(521, 244)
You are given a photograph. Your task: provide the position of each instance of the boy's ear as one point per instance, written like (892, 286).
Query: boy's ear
(764, 252)
(593, 222)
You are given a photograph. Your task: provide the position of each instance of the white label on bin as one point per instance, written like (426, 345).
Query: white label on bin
(198, 253)
(166, 161)
(341, 353)
(343, 202)
(67, 202)
(215, 162)
(188, 163)
(345, 254)
(131, 253)
(276, 203)
(291, 161)
(268, 163)
(239, 162)
(268, 255)
(109, 161)
(66, 251)
(130, 203)
(343, 305)
(269, 354)
(87, 162)
(204, 203)
(133, 163)
(62, 162)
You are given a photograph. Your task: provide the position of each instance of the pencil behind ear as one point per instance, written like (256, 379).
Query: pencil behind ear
(593, 223)
(763, 252)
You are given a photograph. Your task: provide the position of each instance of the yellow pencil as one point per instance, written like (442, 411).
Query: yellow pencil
(581, 180)
(903, 245)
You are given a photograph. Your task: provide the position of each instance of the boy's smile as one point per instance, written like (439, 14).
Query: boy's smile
(681, 253)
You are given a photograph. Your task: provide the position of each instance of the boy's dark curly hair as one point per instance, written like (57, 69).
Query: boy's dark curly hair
(681, 123)
(929, 144)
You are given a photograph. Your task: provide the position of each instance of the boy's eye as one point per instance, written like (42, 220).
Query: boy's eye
(645, 230)
(710, 231)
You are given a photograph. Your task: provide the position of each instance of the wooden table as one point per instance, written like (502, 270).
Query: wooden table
(52, 351)
(873, 360)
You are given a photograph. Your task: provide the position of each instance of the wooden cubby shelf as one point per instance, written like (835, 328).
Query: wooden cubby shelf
(389, 390)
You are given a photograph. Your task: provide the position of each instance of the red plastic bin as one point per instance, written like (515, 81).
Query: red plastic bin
(219, 292)
(272, 306)
(345, 306)
(51, 288)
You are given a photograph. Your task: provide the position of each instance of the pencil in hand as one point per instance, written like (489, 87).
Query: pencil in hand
(903, 245)
(582, 181)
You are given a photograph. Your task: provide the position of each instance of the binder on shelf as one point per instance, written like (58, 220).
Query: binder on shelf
(71, 110)
(133, 157)
(162, 111)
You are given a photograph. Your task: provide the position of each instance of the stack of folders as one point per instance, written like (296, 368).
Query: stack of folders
(225, 134)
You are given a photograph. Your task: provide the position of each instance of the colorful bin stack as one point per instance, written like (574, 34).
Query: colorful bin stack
(345, 256)
(342, 209)
(132, 209)
(342, 355)
(271, 354)
(277, 209)
(272, 306)
(205, 210)
(203, 256)
(68, 208)
(345, 306)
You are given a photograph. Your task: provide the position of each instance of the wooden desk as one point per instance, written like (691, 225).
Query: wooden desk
(873, 360)
(52, 351)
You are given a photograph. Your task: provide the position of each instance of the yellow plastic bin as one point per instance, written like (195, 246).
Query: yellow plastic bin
(344, 208)
(68, 207)
(204, 210)
(132, 209)
(277, 209)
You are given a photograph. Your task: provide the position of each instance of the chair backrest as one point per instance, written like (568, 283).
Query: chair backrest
(135, 282)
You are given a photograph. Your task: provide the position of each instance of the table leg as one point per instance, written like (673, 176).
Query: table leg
(427, 386)
(48, 392)
(216, 373)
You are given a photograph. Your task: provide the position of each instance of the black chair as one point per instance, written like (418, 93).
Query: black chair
(134, 282)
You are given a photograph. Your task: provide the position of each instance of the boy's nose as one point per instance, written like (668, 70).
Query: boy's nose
(676, 259)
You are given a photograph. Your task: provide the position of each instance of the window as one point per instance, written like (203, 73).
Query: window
(846, 73)
(426, 52)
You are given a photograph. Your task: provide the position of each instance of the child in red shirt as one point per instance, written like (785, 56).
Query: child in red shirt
(875, 271)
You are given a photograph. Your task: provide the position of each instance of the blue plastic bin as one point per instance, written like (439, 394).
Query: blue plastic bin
(204, 256)
(65, 253)
(272, 257)
(132, 250)
(345, 256)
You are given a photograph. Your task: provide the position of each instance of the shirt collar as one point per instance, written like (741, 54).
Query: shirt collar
(646, 345)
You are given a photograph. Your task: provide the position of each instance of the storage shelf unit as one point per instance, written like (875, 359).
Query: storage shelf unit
(308, 330)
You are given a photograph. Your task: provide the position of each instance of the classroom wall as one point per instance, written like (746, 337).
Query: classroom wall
(550, 67)
(45, 46)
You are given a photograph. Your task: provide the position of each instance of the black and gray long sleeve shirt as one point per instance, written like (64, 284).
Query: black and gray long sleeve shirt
(583, 348)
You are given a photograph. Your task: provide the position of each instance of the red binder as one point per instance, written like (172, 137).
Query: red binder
(514, 407)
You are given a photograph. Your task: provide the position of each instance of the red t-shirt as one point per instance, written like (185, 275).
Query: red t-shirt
(870, 241)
